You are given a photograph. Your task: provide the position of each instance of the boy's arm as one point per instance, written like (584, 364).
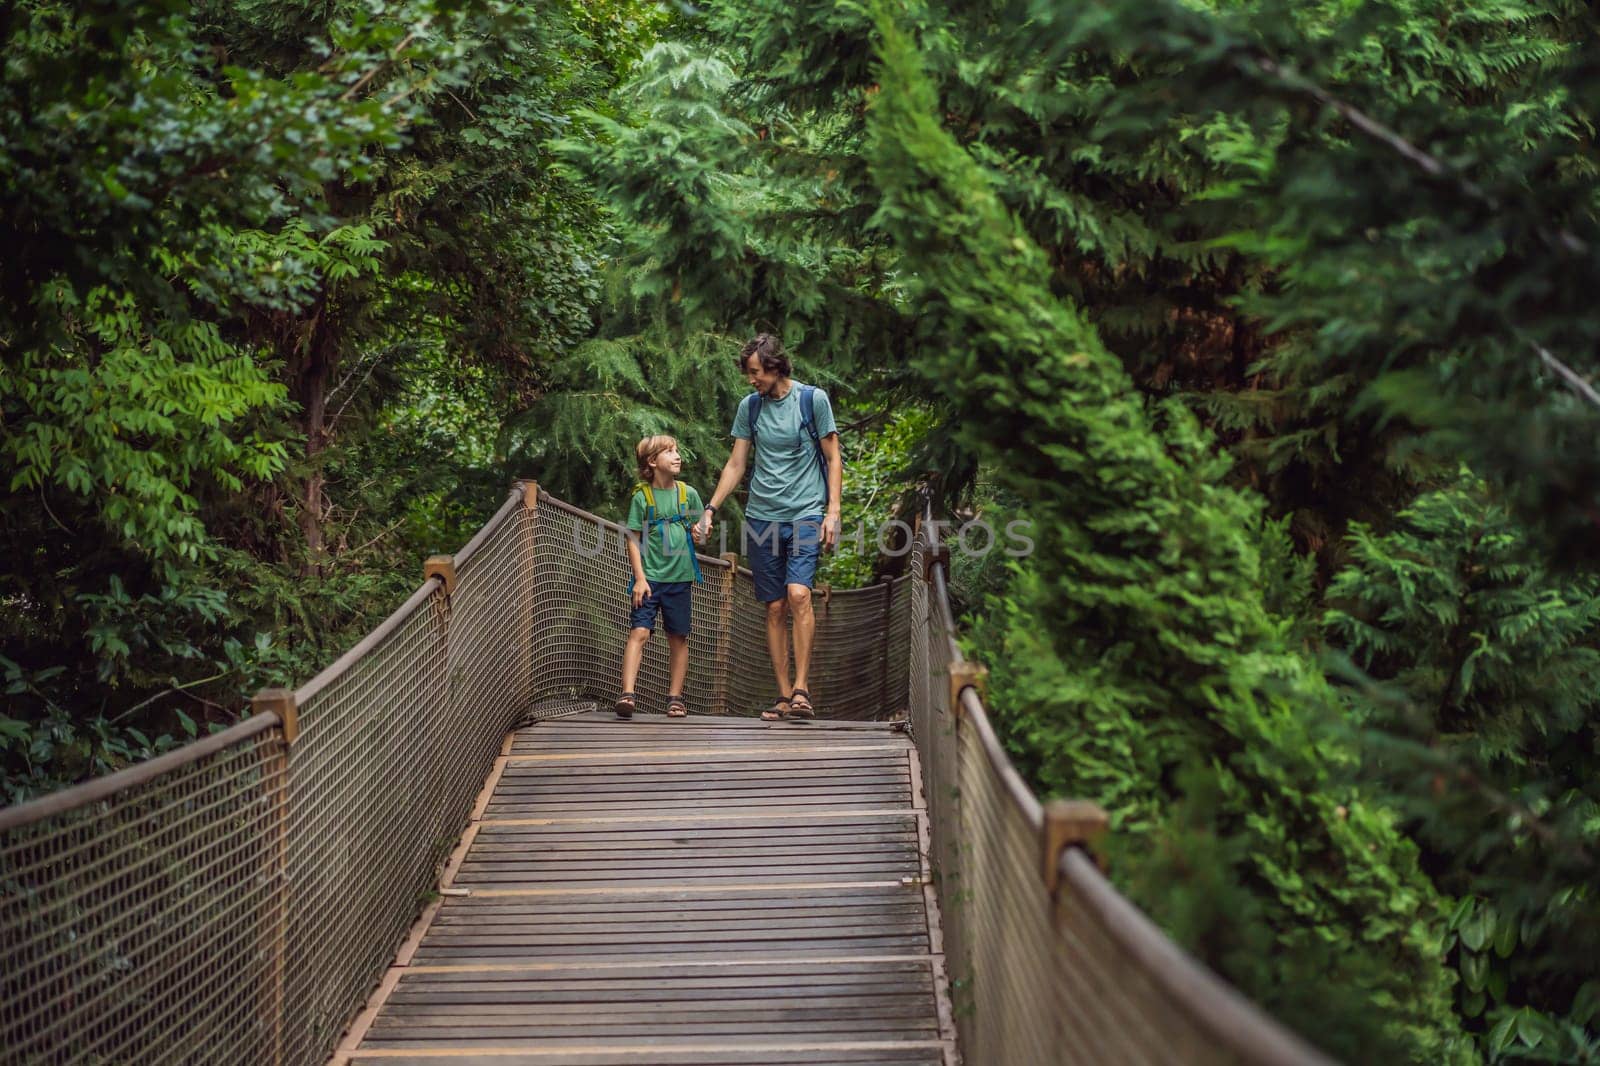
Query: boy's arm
(635, 559)
(641, 584)
(632, 531)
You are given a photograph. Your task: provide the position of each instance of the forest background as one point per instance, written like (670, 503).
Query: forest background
(1277, 319)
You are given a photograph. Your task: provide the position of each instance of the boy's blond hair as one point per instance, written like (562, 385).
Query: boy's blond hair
(648, 449)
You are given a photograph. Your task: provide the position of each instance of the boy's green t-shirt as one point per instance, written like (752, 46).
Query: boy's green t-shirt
(667, 546)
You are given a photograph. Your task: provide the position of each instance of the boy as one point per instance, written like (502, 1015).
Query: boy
(661, 513)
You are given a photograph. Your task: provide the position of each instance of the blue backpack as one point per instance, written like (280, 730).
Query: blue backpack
(808, 422)
(653, 522)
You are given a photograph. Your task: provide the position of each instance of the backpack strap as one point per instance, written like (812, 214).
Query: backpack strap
(681, 518)
(753, 412)
(808, 420)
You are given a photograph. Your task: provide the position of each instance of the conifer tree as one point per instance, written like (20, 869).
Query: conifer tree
(1480, 693)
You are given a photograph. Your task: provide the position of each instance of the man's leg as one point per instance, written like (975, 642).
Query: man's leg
(778, 644)
(805, 631)
(769, 550)
(800, 573)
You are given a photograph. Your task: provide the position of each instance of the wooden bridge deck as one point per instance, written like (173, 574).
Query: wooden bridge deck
(704, 891)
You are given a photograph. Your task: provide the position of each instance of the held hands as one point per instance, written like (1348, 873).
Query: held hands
(641, 589)
(702, 528)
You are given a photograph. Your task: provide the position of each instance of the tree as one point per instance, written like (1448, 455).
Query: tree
(1479, 684)
(257, 243)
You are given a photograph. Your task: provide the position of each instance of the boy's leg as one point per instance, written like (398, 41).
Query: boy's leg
(677, 661)
(641, 623)
(632, 656)
(677, 599)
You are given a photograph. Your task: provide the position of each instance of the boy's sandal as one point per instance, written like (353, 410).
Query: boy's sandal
(626, 704)
(800, 705)
(778, 711)
(677, 707)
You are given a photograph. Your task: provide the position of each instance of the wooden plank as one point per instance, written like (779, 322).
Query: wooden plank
(727, 824)
(692, 818)
(747, 895)
(840, 1007)
(565, 918)
(819, 795)
(512, 946)
(765, 773)
(735, 838)
(645, 756)
(779, 890)
(919, 1053)
(471, 1023)
(647, 852)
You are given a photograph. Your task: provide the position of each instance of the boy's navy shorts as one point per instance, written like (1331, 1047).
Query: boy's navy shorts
(782, 554)
(671, 600)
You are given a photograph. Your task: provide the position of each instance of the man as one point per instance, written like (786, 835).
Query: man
(793, 511)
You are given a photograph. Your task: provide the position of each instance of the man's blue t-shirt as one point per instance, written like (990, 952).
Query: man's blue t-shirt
(788, 483)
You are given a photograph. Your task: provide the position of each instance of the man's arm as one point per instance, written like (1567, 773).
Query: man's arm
(831, 521)
(732, 474)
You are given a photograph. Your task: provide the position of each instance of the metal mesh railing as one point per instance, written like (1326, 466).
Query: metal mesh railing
(236, 900)
(139, 912)
(1047, 963)
(580, 611)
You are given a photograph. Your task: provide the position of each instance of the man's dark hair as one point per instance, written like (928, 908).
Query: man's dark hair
(770, 349)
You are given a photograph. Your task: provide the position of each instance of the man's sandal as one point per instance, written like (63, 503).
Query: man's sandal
(625, 705)
(677, 707)
(778, 711)
(800, 705)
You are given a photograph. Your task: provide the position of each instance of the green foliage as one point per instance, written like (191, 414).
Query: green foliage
(1144, 553)
(607, 394)
(1415, 195)
(258, 254)
(878, 488)
(1481, 686)
(136, 418)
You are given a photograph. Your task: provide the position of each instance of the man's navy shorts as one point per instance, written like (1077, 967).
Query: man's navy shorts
(782, 554)
(671, 600)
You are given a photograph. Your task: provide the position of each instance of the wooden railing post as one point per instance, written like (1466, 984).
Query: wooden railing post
(721, 692)
(1067, 823)
(965, 675)
(886, 635)
(281, 702)
(442, 567)
(525, 574)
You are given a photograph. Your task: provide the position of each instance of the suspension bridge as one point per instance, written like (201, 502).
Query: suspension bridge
(439, 850)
